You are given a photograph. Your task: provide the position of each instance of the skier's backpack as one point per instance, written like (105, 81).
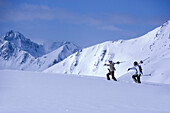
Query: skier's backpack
(140, 69)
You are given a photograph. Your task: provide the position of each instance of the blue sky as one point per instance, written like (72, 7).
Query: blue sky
(83, 22)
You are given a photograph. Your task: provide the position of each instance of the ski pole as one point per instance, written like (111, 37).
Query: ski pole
(118, 62)
(146, 75)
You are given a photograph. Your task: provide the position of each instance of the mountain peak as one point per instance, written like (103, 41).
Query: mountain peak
(49, 47)
(11, 32)
(22, 43)
(66, 42)
(13, 35)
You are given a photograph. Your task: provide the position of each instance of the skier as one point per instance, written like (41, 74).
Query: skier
(111, 70)
(138, 69)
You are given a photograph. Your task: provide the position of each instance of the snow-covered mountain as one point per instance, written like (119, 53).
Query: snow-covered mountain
(14, 40)
(154, 47)
(55, 56)
(18, 52)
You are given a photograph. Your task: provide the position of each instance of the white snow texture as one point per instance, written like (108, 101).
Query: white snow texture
(33, 92)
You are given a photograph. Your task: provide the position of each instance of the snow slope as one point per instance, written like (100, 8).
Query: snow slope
(18, 52)
(33, 92)
(53, 57)
(154, 46)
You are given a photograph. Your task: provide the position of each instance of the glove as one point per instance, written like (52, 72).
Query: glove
(118, 62)
(141, 62)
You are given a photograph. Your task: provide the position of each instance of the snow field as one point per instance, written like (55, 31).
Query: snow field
(31, 92)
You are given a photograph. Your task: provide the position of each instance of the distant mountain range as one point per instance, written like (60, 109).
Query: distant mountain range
(18, 52)
(153, 48)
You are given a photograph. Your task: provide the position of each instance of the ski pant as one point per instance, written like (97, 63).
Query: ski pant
(136, 78)
(112, 74)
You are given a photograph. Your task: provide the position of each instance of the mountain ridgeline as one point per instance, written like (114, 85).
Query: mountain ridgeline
(18, 52)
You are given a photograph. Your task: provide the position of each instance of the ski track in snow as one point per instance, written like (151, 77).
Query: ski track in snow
(33, 92)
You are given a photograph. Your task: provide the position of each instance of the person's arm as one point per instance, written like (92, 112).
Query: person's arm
(107, 64)
(133, 68)
(116, 62)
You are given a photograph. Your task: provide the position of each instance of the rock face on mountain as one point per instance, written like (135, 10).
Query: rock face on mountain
(154, 47)
(15, 40)
(18, 52)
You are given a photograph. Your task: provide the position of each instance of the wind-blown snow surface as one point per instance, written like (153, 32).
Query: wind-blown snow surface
(154, 46)
(31, 92)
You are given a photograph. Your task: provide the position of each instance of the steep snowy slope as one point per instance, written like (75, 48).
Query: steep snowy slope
(54, 57)
(154, 46)
(30, 92)
(18, 52)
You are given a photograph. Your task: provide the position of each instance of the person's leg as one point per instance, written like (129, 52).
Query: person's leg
(134, 77)
(107, 75)
(113, 77)
(139, 78)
